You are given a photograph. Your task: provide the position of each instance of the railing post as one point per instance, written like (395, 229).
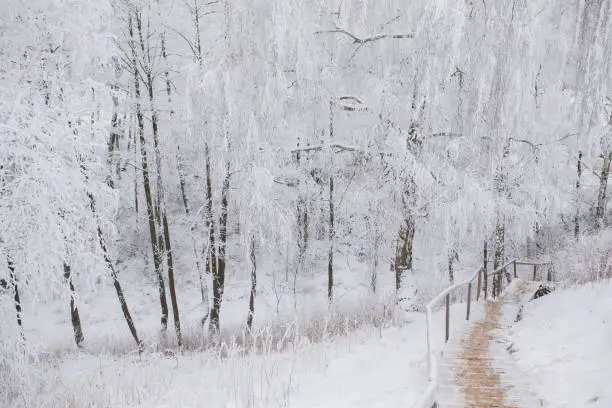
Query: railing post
(535, 268)
(429, 362)
(447, 316)
(485, 277)
(469, 299)
(478, 285)
(514, 263)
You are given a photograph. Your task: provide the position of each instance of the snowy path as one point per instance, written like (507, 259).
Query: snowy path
(480, 371)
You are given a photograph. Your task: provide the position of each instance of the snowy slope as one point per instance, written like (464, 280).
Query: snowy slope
(564, 346)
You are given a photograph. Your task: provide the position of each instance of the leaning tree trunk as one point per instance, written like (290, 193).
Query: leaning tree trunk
(77, 328)
(253, 283)
(116, 284)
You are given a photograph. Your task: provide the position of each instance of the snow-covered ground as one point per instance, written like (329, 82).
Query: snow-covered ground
(564, 346)
(365, 366)
(369, 367)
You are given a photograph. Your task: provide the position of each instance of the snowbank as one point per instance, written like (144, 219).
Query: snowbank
(564, 345)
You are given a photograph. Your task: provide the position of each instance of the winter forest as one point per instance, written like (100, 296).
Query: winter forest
(211, 192)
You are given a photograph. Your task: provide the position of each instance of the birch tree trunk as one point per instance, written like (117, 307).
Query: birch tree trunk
(253, 283)
(74, 311)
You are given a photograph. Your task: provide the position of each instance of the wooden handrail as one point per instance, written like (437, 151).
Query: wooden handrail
(428, 399)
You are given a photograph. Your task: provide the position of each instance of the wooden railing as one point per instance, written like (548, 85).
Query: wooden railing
(428, 399)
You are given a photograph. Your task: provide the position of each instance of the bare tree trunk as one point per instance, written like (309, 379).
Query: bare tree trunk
(484, 264)
(161, 216)
(210, 255)
(253, 283)
(74, 311)
(132, 132)
(147, 188)
(330, 257)
(578, 196)
(116, 284)
(302, 219)
(16, 299)
(171, 287)
(113, 140)
(600, 211)
(219, 277)
(452, 257)
(332, 232)
(374, 275)
(182, 183)
(499, 252)
(403, 250)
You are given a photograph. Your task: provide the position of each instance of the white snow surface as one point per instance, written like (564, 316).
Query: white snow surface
(366, 368)
(564, 346)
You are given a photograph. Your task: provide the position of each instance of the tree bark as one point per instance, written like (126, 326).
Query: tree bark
(600, 211)
(219, 277)
(578, 196)
(374, 275)
(182, 183)
(253, 284)
(147, 186)
(116, 284)
(77, 328)
(171, 286)
(332, 233)
(210, 255)
(16, 299)
(403, 249)
(452, 257)
(485, 272)
(498, 253)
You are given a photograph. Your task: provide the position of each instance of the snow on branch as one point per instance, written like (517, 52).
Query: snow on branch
(338, 148)
(363, 41)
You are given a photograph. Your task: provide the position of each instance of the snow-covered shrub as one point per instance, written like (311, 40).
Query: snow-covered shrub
(586, 260)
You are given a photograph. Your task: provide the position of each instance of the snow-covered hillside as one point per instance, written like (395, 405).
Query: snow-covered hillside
(564, 346)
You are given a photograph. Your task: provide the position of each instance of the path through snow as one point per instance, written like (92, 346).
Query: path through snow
(480, 372)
